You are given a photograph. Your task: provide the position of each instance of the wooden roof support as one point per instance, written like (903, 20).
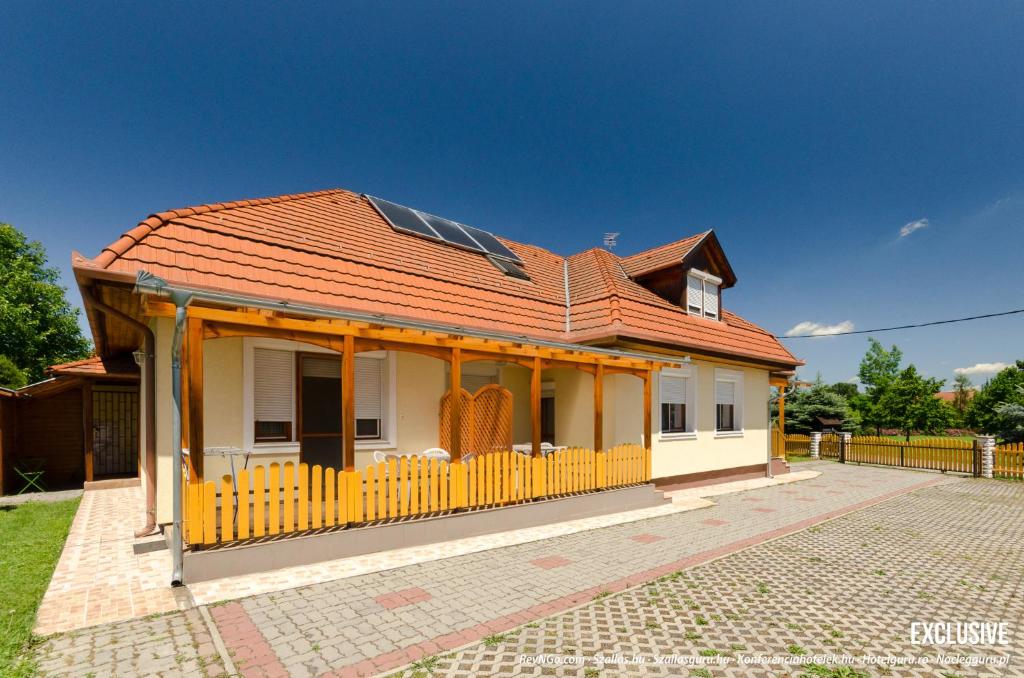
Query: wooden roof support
(456, 405)
(194, 340)
(535, 394)
(348, 403)
(599, 408)
(647, 411)
(248, 323)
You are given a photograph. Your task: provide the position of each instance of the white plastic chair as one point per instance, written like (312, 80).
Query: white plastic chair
(436, 453)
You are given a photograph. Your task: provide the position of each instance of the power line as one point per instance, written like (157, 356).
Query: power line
(906, 327)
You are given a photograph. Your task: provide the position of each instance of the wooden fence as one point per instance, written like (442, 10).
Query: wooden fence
(289, 498)
(937, 454)
(1009, 461)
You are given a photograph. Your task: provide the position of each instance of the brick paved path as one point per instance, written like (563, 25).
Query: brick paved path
(376, 622)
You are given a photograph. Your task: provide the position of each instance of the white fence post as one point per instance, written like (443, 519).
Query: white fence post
(815, 444)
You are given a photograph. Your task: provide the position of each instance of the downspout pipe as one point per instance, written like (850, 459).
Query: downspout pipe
(181, 302)
(149, 379)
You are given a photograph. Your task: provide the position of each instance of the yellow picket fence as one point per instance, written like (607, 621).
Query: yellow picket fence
(292, 498)
(1009, 461)
(797, 444)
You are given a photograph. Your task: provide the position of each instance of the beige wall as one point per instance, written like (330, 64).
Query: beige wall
(420, 382)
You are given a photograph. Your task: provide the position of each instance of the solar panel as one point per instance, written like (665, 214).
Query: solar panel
(451, 232)
(509, 268)
(403, 218)
(491, 244)
(419, 223)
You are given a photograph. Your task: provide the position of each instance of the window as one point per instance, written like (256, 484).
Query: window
(702, 293)
(274, 394)
(293, 399)
(728, 401)
(370, 404)
(677, 396)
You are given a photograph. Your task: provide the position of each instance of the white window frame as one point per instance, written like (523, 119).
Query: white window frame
(705, 279)
(736, 378)
(389, 428)
(688, 372)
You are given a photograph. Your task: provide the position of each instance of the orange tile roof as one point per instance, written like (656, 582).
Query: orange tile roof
(123, 365)
(662, 256)
(332, 249)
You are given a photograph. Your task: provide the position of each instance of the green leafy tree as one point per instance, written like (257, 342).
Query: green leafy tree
(804, 407)
(878, 370)
(909, 404)
(10, 375)
(1010, 419)
(38, 327)
(845, 389)
(1000, 389)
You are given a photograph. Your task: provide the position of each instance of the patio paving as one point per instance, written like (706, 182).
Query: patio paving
(378, 621)
(850, 586)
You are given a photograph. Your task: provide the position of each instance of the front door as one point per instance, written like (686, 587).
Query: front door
(115, 430)
(320, 435)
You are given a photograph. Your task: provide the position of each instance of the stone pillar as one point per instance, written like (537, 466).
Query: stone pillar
(988, 454)
(816, 445)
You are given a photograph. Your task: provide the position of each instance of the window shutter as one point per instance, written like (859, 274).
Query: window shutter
(710, 300)
(673, 390)
(274, 380)
(325, 368)
(694, 293)
(369, 388)
(725, 393)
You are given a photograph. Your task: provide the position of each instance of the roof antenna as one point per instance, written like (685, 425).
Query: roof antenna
(610, 240)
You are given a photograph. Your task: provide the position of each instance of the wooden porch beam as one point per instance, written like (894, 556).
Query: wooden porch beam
(348, 403)
(194, 338)
(647, 409)
(456, 404)
(535, 387)
(599, 408)
(334, 327)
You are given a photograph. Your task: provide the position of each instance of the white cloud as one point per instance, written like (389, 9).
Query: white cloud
(907, 229)
(853, 380)
(981, 368)
(818, 329)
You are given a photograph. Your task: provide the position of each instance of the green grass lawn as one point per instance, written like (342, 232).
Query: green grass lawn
(31, 538)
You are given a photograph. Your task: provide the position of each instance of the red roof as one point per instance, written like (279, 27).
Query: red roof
(117, 366)
(333, 249)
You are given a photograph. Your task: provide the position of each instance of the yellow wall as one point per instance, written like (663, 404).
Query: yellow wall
(163, 329)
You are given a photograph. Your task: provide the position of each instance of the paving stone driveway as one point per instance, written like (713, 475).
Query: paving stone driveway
(853, 585)
(377, 622)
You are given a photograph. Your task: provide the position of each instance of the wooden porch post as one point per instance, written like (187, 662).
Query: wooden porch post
(647, 408)
(87, 433)
(195, 398)
(599, 408)
(348, 402)
(782, 409)
(535, 407)
(456, 404)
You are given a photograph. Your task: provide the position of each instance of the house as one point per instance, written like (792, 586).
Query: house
(327, 328)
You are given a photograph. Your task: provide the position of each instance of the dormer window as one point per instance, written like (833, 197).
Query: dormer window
(702, 290)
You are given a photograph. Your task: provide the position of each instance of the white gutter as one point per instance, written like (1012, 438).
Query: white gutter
(151, 284)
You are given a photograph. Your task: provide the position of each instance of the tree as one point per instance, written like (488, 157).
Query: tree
(10, 375)
(909, 404)
(804, 407)
(878, 370)
(38, 327)
(1010, 419)
(1000, 389)
(962, 391)
(845, 389)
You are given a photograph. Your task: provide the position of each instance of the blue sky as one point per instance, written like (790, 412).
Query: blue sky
(807, 134)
